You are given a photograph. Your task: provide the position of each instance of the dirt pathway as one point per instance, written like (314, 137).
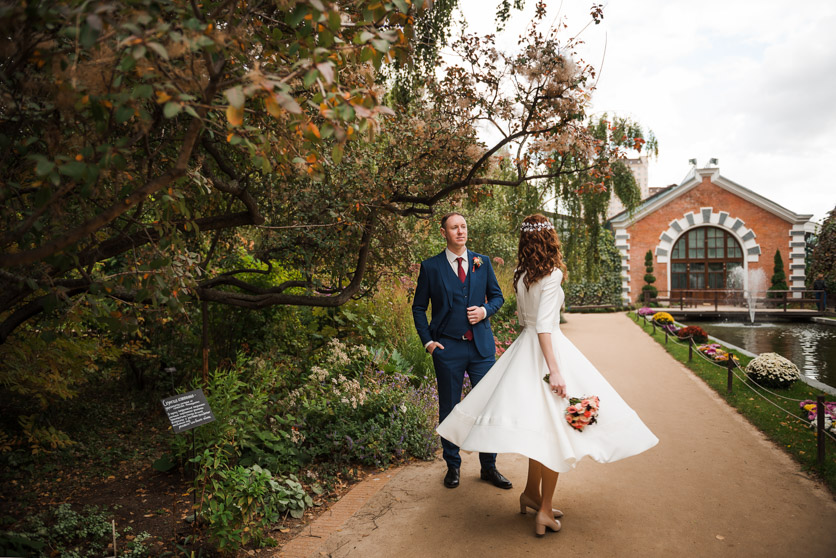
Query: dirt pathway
(714, 486)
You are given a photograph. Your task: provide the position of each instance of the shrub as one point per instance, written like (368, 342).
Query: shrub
(65, 532)
(696, 333)
(596, 284)
(648, 290)
(772, 370)
(779, 277)
(247, 500)
(378, 415)
(662, 318)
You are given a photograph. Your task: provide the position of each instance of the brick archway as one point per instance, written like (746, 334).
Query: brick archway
(735, 226)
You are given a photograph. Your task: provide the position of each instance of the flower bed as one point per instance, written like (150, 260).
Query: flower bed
(829, 414)
(663, 318)
(696, 333)
(772, 370)
(716, 353)
(646, 311)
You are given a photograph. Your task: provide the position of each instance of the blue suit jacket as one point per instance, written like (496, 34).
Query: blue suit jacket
(436, 282)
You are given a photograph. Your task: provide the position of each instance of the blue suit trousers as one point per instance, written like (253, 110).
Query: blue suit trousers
(451, 362)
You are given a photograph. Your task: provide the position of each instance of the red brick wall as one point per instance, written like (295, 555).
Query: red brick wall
(772, 232)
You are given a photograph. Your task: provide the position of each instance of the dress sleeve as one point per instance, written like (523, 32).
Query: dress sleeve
(548, 312)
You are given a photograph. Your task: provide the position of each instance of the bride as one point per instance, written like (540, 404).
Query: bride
(514, 410)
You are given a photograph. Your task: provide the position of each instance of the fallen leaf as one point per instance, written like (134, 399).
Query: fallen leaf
(720, 537)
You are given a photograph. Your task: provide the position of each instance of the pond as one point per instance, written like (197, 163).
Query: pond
(811, 346)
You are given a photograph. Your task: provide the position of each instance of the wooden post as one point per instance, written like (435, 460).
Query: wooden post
(715, 301)
(654, 326)
(205, 341)
(681, 302)
(690, 349)
(785, 301)
(666, 336)
(820, 435)
(730, 367)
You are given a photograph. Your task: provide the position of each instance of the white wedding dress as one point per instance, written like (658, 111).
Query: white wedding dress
(512, 410)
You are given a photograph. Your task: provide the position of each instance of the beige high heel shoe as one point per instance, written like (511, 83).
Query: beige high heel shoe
(527, 502)
(543, 522)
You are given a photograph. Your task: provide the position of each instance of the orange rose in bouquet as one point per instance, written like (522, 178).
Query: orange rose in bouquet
(582, 411)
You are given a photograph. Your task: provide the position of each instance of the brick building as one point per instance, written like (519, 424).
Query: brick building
(699, 231)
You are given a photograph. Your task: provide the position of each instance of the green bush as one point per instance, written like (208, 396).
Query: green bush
(369, 416)
(245, 501)
(779, 277)
(648, 290)
(68, 533)
(605, 287)
(353, 405)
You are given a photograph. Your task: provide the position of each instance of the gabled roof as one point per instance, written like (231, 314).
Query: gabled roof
(691, 181)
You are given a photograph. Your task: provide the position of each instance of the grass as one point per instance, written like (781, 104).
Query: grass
(794, 437)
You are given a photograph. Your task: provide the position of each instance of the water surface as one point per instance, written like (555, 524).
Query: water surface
(811, 346)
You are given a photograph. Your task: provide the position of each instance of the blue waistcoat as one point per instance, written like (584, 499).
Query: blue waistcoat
(457, 323)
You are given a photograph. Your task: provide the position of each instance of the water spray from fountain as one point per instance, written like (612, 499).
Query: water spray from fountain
(752, 282)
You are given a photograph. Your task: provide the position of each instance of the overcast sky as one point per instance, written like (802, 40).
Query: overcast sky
(750, 82)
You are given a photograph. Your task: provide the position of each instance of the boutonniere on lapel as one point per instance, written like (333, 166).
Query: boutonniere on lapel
(477, 262)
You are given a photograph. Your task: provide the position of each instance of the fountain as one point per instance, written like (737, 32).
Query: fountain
(752, 282)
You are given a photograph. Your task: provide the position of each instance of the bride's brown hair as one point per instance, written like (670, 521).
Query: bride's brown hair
(539, 251)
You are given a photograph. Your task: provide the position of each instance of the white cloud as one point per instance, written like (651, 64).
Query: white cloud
(752, 83)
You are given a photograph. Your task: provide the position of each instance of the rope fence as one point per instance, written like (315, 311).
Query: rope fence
(732, 366)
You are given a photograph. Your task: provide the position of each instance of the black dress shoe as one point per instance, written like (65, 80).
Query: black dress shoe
(451, 479)
(495, 478)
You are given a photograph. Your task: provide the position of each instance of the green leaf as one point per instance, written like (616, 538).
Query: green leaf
(123, 114)
(310, 77)
(172, 109)
(73, 169)
(381, 46)
(88, 36)
(337, 153)
(288, 103)
(164, 464)
(142, 91)
(297, 16)
(402, 6)
(127, 64)
(236, 97)
(159, 49)
(44, 166)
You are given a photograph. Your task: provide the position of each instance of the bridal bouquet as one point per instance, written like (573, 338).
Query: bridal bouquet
(582, 411)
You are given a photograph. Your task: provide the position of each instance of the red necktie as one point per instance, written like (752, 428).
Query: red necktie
(469, 334)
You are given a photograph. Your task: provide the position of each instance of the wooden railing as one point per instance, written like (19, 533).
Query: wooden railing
(691, 298)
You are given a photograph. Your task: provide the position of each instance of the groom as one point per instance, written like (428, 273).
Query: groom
(463, 290)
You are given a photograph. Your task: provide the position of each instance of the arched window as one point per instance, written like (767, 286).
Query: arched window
(703, 258)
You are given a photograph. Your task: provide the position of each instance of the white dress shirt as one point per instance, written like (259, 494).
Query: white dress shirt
(451, 257)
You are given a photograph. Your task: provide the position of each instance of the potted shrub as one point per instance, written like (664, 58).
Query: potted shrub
(772, 370)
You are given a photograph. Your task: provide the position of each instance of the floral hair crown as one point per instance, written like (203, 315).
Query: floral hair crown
(531, 227)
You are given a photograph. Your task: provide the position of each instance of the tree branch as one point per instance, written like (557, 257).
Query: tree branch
(262, 298)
